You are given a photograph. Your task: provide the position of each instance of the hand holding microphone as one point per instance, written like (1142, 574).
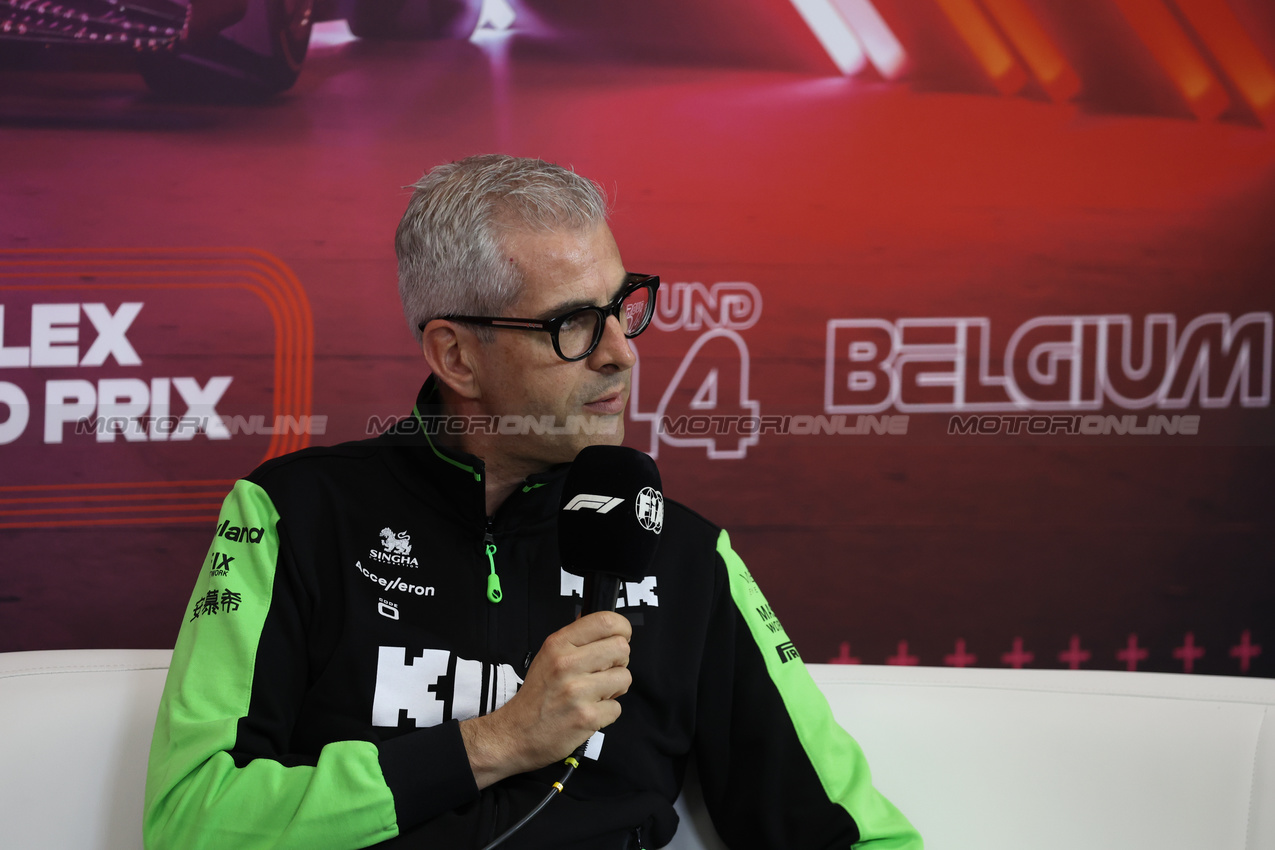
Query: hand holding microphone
(608, 530)
(609, 526)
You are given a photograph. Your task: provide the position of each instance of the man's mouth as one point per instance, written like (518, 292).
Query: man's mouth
(607, 405)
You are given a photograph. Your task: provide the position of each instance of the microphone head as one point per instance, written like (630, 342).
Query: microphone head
(612, 513)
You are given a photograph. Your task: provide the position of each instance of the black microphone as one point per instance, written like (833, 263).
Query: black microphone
(610, 521)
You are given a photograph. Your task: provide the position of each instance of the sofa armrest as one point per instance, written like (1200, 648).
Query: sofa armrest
(75, 732)
(1000, 759)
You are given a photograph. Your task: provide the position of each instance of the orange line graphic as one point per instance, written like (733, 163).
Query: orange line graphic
(113, 497)
(288, 306)
(1052, 70)
(1173, 50)
(202, 482)
(147, 520)
(250, 269)
(111, 509)
(989, 49)
(1235, 52)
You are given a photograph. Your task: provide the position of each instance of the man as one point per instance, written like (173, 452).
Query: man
(402, 661)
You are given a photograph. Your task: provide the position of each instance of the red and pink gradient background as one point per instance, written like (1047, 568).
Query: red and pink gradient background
(733, 151)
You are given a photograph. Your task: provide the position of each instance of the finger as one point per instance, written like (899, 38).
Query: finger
(601, 655)
(620, 679)
(599, 716)
(604, 686)
(597, 626)
(608, 712)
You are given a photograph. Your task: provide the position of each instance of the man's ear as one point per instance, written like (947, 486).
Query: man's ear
(449, 349)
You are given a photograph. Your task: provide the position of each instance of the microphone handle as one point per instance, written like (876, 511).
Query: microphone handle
(601, 591)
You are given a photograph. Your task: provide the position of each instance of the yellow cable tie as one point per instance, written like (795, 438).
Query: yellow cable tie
(572, 762)
(558, 785)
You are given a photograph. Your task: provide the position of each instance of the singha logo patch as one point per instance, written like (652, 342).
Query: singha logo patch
(396, 544)
(395, 549)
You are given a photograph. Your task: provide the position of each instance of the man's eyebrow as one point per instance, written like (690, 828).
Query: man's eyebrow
(576, 303)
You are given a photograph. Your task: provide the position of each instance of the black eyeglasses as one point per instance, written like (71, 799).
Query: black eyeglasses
(577, 333)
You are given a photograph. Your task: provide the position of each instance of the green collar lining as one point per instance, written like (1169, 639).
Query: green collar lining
(478, 476)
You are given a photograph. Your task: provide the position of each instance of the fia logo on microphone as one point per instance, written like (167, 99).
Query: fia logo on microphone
(650, 509)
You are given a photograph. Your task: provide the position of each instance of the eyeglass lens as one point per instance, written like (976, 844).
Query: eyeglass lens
(576, 335)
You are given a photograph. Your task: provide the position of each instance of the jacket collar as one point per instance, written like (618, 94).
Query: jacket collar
(458, 478)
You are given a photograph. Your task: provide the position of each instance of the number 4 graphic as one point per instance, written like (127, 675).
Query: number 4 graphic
(706, 403)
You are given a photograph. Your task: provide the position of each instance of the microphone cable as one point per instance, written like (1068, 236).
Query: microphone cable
(571, 764)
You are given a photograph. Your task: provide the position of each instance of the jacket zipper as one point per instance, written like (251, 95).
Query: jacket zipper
(494, 594)
(493, 580)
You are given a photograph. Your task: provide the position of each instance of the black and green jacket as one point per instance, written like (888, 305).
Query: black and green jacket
(343, 622)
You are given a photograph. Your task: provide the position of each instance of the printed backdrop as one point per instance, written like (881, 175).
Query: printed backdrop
(965, 332)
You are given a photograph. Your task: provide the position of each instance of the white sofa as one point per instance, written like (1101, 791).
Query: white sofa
(986, 759)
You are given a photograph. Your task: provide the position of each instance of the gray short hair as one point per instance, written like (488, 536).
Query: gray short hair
(449, 243)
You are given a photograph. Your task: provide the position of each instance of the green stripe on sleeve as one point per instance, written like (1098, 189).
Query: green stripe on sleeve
(836, 757)
(195, 795)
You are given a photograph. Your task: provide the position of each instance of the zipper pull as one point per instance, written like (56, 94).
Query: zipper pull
(493, 580)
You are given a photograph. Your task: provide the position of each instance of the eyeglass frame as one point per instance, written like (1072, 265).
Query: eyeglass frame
(633, 282)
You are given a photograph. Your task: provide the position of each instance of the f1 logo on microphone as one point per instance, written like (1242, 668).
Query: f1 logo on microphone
(588, 502)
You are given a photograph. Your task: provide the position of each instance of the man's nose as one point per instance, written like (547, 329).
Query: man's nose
(613, 348)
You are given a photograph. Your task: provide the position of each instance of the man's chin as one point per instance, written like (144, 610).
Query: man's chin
(612, 436)
(609, 433)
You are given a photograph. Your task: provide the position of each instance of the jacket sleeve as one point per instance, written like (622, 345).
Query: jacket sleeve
(776, 768)
(222, 772)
